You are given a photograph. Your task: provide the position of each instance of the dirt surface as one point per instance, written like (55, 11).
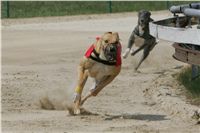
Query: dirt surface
(39, 60)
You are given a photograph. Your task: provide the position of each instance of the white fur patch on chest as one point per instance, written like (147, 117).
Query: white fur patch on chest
(141, 31)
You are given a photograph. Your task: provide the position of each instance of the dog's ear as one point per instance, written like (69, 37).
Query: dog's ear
(145, 12)
(140, 12)
(109, 32)
(117, 35)
(149, 13)
(98, 44)
(151, 20)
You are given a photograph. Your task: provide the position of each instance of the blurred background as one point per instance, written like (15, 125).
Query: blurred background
(25, 9)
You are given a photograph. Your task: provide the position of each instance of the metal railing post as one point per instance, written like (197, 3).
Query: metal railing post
(168, 4)
(7, 9)
(110, 6)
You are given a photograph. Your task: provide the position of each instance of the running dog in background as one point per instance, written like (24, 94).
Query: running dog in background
(141, 31)
(102, 62)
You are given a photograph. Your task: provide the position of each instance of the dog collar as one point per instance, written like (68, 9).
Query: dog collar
(91, 50)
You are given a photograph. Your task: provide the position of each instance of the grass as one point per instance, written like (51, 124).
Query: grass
(24, 9)
(192, 86)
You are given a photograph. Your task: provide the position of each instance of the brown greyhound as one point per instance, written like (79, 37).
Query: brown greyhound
(102, 62)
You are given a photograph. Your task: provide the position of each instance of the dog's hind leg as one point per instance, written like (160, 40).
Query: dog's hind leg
(102, 84)
(150, 44)
(85, 98)
(144, 56)
(139, 49)
(99, 86)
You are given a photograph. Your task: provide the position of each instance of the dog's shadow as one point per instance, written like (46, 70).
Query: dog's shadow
(148, 117)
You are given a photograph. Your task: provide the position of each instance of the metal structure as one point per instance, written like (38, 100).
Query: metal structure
(184, 31)
(187, 9)
(167, 30)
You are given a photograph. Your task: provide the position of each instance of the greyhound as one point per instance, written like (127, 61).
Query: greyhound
(141, 31)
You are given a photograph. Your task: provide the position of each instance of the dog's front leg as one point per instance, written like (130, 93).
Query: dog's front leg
(130, 45)
(82, 78)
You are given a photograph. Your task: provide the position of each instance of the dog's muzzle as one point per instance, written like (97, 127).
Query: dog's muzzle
(111, 52)
(143, 22)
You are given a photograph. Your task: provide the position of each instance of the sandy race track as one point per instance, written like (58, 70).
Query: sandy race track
(39, 60)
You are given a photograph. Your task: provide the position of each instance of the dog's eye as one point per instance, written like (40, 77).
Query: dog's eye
(106, 41)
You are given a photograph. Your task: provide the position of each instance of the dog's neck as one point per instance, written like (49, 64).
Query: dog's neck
(145, 29)
(142, 31)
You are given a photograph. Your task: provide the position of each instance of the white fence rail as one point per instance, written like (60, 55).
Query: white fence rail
(163, 30)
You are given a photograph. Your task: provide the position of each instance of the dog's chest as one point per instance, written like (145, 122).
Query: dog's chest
(100, 70)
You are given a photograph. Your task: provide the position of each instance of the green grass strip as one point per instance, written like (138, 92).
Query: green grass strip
(192, 86)
(24, 9)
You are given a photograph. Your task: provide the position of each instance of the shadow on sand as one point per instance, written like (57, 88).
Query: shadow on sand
(149, 117)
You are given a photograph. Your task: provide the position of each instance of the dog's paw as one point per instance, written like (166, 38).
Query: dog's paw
(132, 51)
(125, 54)
(136, 70)
(157, 41)
(76, 108)
(77, 111)
(73, 110)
